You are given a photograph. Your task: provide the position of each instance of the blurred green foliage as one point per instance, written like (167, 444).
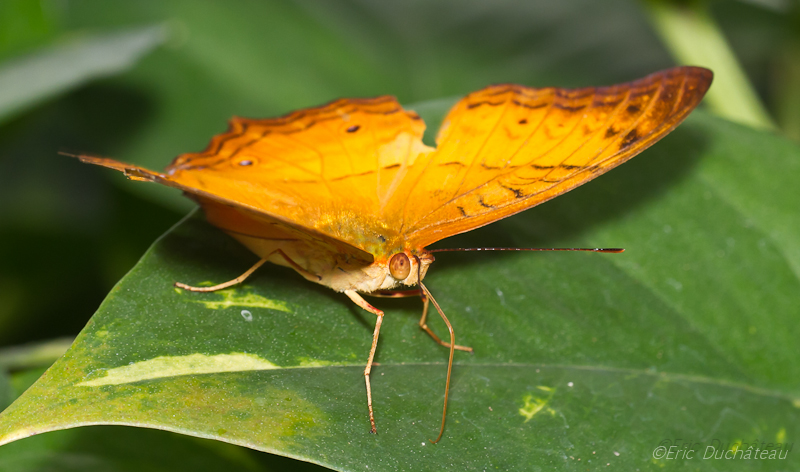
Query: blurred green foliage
(68, 232)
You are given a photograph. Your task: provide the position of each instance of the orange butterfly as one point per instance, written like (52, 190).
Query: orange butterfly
(348, 195)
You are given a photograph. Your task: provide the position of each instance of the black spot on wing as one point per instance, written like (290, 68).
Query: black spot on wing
(485, 102)
(342, 177)
(488, 167)
(611, 132)
(629, 139)
(517, 191)
(483, 203)
(529, 106)
(453, 163)
(569, 108)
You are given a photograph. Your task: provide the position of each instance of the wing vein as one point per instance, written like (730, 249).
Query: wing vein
(416, 182)
(477, 155)
(321, 162)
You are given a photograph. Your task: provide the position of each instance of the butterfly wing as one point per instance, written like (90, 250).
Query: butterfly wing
(239, 218)
(353, 176)
(330, 169)
(507, 148)
(327, 172)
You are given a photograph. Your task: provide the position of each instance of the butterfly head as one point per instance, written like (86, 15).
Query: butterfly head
(407, 267)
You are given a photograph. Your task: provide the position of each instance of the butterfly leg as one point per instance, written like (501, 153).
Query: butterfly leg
(449, 362)
(363, 304)
(394, 293)
(249, 272)
(227, 284)
(424, 325)
(423, 320)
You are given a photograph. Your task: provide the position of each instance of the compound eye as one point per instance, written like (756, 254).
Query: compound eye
(399, 266)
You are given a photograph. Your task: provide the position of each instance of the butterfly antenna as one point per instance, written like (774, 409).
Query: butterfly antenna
(610, 250)
(449, 362)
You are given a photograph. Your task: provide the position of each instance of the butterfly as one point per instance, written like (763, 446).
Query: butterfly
(349, 196)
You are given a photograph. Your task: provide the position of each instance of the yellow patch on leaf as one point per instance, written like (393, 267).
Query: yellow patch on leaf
(174, 366)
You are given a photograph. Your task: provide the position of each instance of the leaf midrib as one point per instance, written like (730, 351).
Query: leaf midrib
(661, 375)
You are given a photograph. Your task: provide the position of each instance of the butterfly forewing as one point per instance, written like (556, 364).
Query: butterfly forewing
(240, 218)
(507, 148)
(330, 168)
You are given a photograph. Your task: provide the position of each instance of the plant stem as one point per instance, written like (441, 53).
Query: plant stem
(32, 355)
(787, 96)
(693, 37)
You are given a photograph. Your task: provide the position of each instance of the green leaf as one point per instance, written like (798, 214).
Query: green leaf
(107, 448)
(36, 77)
(690, 335)
(119, 448)
(33, 355)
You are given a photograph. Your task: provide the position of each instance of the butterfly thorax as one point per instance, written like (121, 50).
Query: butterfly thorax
(342, 273)
(367, 232)
(321, 259)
